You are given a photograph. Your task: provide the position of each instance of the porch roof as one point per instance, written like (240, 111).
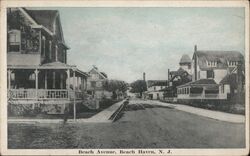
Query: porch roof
(51, 65)
(200, 83)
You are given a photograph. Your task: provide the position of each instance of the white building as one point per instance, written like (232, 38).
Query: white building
(155, 89)
(210, 70)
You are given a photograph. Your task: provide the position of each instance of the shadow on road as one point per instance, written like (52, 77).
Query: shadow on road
(136, 107)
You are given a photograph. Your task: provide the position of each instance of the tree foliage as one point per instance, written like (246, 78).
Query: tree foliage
(115, 85)
(138, 86)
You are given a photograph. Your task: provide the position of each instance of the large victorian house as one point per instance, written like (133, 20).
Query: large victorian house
(37, 67)
(215, 75)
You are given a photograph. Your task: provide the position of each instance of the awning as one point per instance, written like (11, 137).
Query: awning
(212, 87)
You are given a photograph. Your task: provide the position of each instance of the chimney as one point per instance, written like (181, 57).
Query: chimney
(144, 76)
(168, 74)
(195, 48)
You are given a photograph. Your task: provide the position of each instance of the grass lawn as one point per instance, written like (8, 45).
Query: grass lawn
(82, 112)
(140, 126)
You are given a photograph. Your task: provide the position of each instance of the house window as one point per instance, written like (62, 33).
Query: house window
(211, 63)
(154, 88)
(14, 40)
(187, 90)
(32, 76)
(223, 88)
(43, 46)
(93, 84)
(210, 74)
(232, 63)
(50, 50)
(56, 53)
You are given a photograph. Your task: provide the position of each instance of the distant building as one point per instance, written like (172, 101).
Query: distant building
(95, 83)
(155, 89)
(215, 75)
(185, 63)
(179, 77)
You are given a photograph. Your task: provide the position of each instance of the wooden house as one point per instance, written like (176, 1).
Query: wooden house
(177, 78)
(155, 89)
(95, 84)
(213, 75)
(37, 67)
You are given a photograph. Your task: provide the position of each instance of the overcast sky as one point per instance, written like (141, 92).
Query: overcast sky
(125, 42)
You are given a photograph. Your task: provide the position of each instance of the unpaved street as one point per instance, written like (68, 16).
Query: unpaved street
(141, 125)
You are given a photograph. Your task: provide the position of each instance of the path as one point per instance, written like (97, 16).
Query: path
(217, 115)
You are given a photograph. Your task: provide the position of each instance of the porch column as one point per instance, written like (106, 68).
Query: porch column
(61, 80)
(77, 82)
(9, 79)
(68, 79)
(74, 88)
(54, 80)
(85, 83)
(82, 83)
(46, 77)
(36, 77)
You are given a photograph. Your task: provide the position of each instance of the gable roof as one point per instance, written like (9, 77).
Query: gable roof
(185, 59)
(201, 82)
(102, 74)
(229, 79)
(221, 57)
(181, 72)
(44, 17)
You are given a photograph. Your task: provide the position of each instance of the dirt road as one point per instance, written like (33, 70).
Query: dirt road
(142, 125)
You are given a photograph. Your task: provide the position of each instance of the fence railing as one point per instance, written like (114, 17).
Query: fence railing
(196, 95)
(44, 94)
(211, 95)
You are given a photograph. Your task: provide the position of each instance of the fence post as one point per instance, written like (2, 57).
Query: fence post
(74, 89)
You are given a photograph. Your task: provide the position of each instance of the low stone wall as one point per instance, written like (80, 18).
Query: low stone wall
(91, 103)
(219, 105)
(34, 109)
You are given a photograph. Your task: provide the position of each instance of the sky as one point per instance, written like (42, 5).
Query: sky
(125, 42)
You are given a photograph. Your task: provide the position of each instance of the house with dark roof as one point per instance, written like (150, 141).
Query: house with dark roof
(179, 77)
(185, 63)
(37, 67)
(155, 89)
(210, 73)
(95, 84)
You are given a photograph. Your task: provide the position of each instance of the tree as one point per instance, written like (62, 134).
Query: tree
(115, 86)
(138, 86)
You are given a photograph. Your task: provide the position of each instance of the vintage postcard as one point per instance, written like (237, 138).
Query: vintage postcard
(124, 77)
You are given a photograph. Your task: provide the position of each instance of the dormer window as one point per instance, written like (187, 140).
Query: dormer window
(232, 63)
(14, 40)
(211, 63)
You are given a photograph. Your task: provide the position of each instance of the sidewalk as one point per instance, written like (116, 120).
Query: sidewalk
(101, 117)
(217, 115)
(104, 115)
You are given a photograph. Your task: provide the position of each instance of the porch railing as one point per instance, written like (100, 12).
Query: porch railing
(211, 95)
(196, 95)
(44, 94)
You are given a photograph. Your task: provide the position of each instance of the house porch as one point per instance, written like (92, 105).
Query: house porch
(50, 84)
